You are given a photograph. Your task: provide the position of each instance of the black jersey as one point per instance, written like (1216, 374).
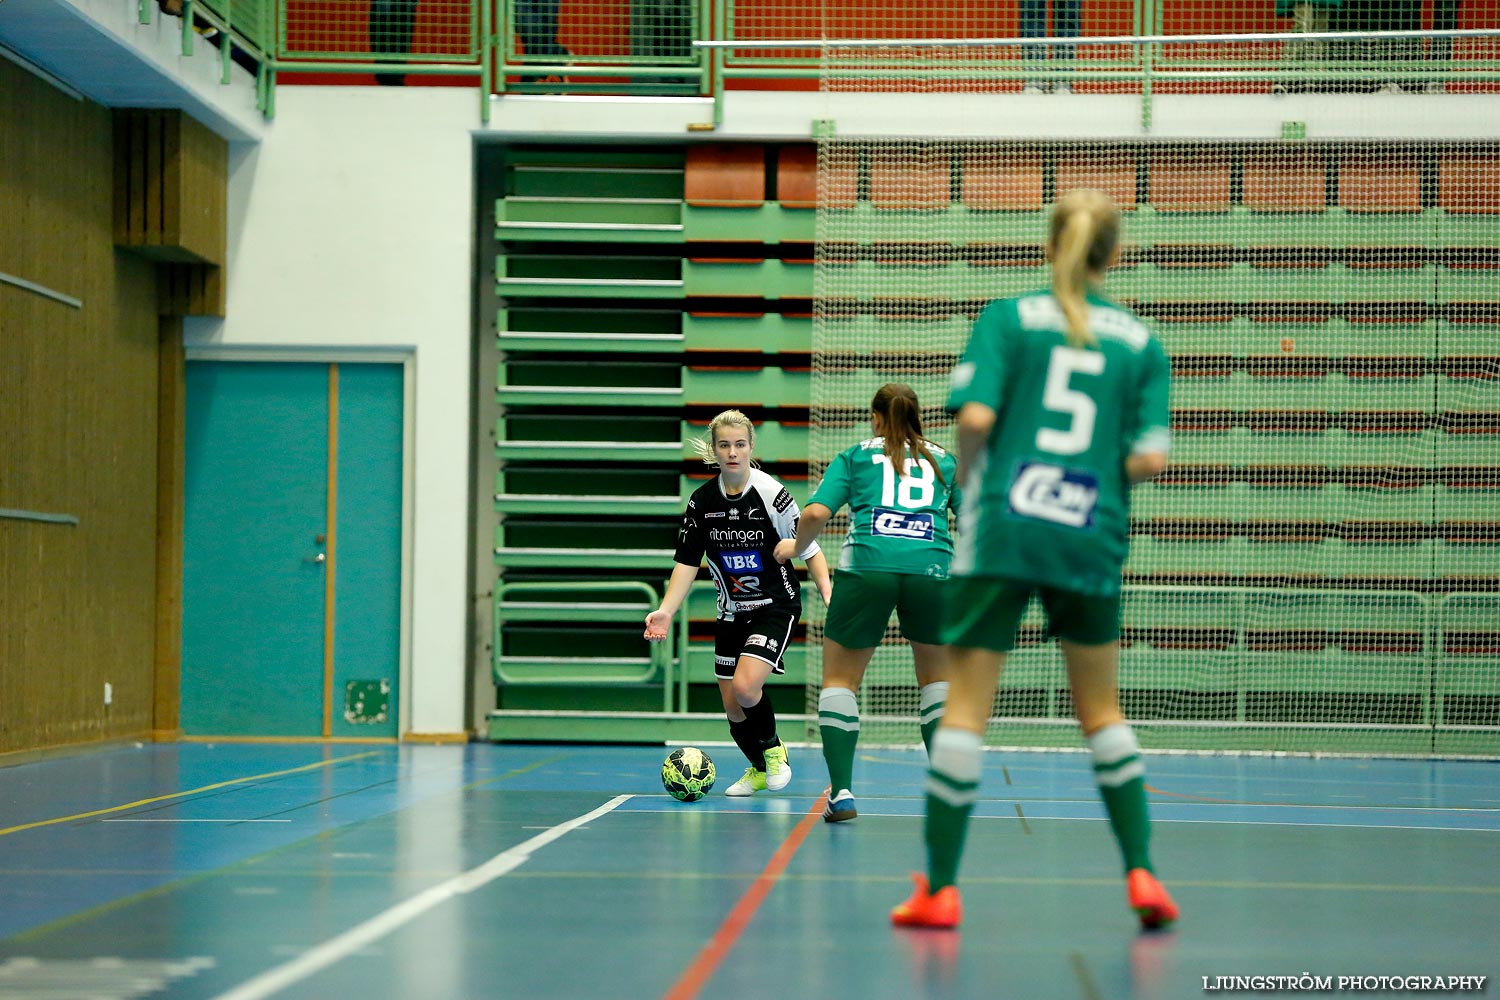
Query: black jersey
(739, 535)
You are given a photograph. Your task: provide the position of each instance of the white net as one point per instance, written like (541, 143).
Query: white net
(1317, 569)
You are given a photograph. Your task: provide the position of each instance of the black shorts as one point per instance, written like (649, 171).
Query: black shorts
(762, 633)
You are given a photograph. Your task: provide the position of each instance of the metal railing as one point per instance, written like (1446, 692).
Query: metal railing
(700, 47)
(568, 665)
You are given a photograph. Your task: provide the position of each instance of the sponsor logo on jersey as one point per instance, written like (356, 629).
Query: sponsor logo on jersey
(901, 524)
(772, 643)
(734, 513)
(755, 640)
(741, 562)
(745, 586)
(737, 536)
(755, 514)
(1053, 493)
(724, 661)
(714, 513)
(782, 502)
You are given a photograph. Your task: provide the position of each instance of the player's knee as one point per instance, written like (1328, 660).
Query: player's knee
(746, 692)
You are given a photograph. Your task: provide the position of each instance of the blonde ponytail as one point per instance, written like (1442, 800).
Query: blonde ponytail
(1070, 276)
(1085, 232)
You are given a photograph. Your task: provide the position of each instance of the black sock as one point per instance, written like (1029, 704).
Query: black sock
(743, 734)
(761, 719)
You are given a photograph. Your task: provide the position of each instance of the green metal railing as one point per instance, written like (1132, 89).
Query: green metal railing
(563, 669)
(699, 46)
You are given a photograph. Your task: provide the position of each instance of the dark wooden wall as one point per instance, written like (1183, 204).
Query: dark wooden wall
(78, 433)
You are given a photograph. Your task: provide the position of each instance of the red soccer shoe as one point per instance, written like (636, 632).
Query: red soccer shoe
(1149, 900)
(929, 909)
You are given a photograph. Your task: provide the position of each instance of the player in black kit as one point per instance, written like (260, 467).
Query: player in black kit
(736, 519)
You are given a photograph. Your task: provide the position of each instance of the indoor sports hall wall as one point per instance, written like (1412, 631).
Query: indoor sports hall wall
(353, 225)
(78, 408)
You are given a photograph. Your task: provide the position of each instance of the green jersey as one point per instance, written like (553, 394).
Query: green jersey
(1050, 496)
(897, 523)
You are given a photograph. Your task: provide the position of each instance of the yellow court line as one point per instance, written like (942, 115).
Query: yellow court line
(178, 795)
(166, 887)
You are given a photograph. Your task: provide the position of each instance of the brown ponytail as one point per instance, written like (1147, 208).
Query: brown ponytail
(1085, 232)
(897, 405)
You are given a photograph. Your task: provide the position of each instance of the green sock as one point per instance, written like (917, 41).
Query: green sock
(933, 699)
(1122, 783)
(838, 723)
(952, 790)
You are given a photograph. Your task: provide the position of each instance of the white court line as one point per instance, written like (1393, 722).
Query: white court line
(195, 821)
(321, 956)
(1034, 803)
(1160, 820)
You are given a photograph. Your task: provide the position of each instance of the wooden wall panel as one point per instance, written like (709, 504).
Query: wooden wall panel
(189, 289)
(78, 405)
(170, 193)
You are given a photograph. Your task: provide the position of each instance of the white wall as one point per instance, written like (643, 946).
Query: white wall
(350, 225)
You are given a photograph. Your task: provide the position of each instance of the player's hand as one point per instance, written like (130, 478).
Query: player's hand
(785, 550)
(827, 595)
(657, 623)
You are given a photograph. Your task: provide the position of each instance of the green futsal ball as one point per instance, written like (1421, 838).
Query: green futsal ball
(687, 774)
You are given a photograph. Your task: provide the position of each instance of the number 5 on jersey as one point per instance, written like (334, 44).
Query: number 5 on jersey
(1078, 406)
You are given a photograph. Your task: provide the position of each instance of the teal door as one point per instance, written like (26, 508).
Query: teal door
(292, 549)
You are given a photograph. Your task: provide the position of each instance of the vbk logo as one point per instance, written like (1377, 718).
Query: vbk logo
(741, 562)
(900, 524)
(1052, 493)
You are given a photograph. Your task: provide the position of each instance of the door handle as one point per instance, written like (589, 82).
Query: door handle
(320, 557)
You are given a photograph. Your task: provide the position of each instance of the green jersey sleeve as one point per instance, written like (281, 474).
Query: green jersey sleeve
(833, 491)
(1152, 430)
(979, 376)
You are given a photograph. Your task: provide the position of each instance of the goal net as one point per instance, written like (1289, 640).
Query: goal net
(1317, 570)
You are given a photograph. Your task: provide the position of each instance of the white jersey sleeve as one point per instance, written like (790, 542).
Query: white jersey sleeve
(783, 509)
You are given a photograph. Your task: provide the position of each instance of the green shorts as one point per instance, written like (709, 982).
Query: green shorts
(985, 613)
(862, 605)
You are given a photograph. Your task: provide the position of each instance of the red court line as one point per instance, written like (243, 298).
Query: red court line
(706, 962)
(1202, 798)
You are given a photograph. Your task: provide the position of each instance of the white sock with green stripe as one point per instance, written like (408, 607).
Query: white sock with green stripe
(933, 699)
(838, 724)
(952, 790)
(1121, 776)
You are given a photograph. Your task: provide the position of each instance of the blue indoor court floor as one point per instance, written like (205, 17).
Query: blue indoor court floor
(499, 871)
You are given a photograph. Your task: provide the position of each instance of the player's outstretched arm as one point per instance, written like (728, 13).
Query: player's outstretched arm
(808, 528)
(817, 568)
(678, 586)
